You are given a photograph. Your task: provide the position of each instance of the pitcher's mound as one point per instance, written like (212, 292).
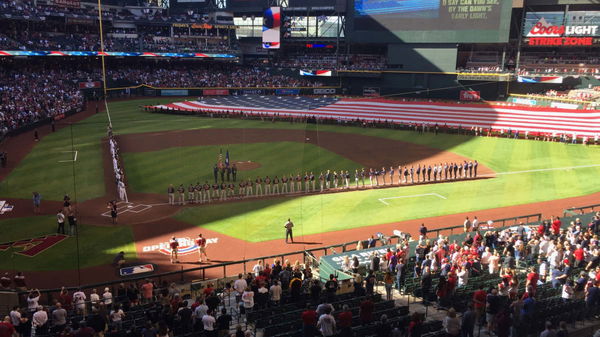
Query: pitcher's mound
(246, 165)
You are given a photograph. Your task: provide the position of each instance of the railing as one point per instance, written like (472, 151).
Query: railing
(504, 222)
(580, 210)
(205, 272)
(223, 270)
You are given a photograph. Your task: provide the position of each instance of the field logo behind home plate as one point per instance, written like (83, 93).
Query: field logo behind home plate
(186, 246)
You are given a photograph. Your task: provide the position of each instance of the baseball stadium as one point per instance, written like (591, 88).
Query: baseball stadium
(299, 168)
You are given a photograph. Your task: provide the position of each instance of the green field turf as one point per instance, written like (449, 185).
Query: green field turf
(97, 245)
(191, 164)
(262, 219)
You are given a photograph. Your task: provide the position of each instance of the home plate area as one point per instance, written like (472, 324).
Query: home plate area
(124, 207)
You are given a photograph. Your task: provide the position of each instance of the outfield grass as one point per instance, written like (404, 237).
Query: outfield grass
(262, 220)
(97, 245)
(191, 164)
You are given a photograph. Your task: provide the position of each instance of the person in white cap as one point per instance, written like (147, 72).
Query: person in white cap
(107, 297)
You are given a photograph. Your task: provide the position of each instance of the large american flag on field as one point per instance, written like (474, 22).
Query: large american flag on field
(497, 116)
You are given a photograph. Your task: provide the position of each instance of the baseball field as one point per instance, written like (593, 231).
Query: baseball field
(157, 150)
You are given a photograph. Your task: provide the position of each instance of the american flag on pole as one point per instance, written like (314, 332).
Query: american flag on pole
(498, 116)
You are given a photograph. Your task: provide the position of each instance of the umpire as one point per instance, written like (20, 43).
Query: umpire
(289, 225)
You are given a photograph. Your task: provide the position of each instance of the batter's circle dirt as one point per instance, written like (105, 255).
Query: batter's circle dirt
(247, 165)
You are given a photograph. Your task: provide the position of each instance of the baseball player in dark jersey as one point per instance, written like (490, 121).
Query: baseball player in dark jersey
(306, 182)
(249, 185)
(242, 188)
(419, 173)
(223, 192)
(475, 165)
(215, 188)
(321, 181)
(191, 193)
(181, 192)
(284, 184)
(391, 175)
(275, 185)
(231, 189)
(335, 179)
(171, 194)
(429, 173)
(327, 179)
(298, 183)
(347, 178)
(206, 191)
(259, 190)
(312, 179)
(383, 173)
(363, 175)
(198, 193)
(267, 186)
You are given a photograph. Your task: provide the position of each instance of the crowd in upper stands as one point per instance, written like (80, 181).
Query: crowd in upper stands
(31, 33)
(31, 91)
(35, 93)
(332, 62)
(535, 64)
(206, 75)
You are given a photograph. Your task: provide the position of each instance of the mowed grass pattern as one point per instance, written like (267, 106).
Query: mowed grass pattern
(149, 171)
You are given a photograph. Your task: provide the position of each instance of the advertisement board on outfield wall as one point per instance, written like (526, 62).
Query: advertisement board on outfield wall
(470, 95)
(252, 92)
(324, 91)
(215, 92)
(174, 92)
(371, 92)
(287, 91)
(525, 101)
(560, 105)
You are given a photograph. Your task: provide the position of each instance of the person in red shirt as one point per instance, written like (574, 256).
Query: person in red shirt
(174, 244)
(208, 290)
(6, 328)
(344, 321)
(556, 225)
(309, 321)
(201, 244)
(541, 229)
(366, 311)
(579, 255)
(532, 280)
(479, 298)
(451, 283)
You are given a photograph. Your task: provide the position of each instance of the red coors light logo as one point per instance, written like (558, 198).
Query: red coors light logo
(543, 28)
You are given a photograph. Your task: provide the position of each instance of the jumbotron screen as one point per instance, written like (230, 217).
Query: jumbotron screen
(433, 21)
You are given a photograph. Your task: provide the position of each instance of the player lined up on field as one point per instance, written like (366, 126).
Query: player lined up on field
(324, 182)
